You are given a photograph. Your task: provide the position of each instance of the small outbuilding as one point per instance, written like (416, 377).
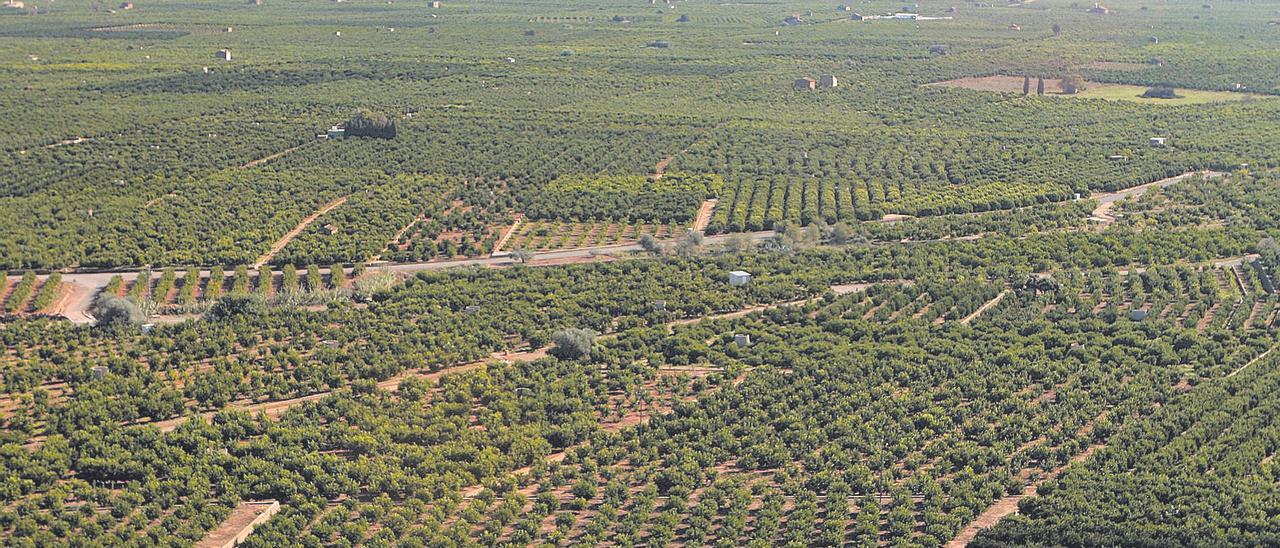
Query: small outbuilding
(126, 6)
(224, 54)
(100, 371)
(435, 4)
(738, 277)
(335, 132)
(1137, 314)
(743, 340)
(805, 84)
(1159, 141)
(827, 81)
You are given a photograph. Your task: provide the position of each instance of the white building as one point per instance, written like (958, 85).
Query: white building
(335, 132)
(738, 277)
(1158, 141)
(827, 81)
(743, 340)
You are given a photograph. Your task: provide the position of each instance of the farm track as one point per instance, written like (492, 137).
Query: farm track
(302, 225)
(96, 280)
(273, 156)
(274, 409)
(704, 215)
(239, 524)
(1106, 200)
(985, 307)
(1008, 504)
(506, 236)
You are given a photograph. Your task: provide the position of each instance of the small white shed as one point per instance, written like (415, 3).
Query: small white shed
(738, 277)
(743, 340)
(1158, 141)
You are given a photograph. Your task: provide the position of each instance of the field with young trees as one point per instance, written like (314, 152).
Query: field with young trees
(459, 273)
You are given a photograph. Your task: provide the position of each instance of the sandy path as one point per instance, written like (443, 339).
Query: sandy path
(95, 281)
(704, 215)
(302, 225)
(985, 307)
(271, 157)
(1256, 359)
(1009, 504)
(1106, 199)
(239, 524)
(274, 409)
(511, 230)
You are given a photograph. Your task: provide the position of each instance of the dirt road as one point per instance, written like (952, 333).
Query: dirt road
(89, 284)
(1106, 200)
(302, 225)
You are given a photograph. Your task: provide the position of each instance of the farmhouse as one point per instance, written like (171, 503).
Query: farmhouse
(805, 84)
(126, 6)
(435, 4)
(224, 54)
(738, 277)
(827, 81)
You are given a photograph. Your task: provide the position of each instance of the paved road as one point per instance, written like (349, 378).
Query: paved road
(86, 285)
